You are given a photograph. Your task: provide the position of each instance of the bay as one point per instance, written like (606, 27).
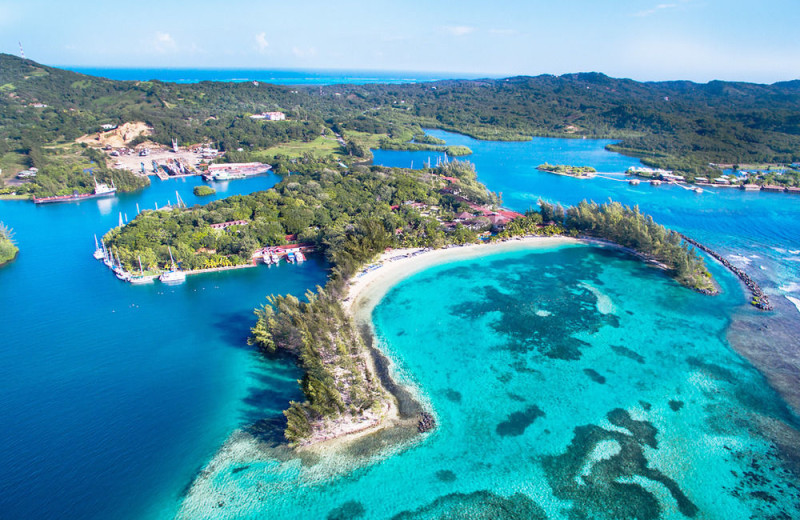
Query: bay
(115, 396)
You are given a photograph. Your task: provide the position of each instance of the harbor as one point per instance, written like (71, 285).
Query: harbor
(290, 254)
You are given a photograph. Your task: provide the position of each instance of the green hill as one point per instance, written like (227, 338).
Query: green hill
(678, 125)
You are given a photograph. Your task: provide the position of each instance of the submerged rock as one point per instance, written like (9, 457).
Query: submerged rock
(426, 422)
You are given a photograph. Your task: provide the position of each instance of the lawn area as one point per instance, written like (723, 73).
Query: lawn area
(11, 164)
(319, 147)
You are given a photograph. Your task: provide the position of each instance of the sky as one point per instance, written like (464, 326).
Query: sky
(647, 40)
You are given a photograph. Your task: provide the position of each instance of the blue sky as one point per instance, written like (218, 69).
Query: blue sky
(642, 39)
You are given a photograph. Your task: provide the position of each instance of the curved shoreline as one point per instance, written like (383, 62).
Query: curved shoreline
(403, 412)
(404, 407)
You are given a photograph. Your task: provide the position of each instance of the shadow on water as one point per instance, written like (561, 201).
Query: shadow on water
(234, 328)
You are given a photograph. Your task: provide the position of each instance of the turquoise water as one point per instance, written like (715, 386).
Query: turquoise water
(571, 382)
(759, 232)
(115, 396)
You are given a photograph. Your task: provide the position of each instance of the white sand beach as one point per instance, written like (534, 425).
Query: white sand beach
(366, 290)
(370, 285)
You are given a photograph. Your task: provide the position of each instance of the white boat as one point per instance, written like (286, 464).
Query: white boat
(98, 254)
(173, 276)
(141, 278)
(290, 257)
(120, 271)
(275, 258)
(299, 257)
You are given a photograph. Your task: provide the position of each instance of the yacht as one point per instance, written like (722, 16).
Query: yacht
(173, 276)
(98, 254)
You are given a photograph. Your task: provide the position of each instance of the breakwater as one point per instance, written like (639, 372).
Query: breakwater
(760, 300)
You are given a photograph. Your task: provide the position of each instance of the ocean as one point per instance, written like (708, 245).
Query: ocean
(117, 398)
(277, 77)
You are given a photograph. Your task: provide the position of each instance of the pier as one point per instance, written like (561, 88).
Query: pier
(760, 300)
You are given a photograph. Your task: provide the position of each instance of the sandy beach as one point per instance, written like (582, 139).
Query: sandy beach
(370, 285)
(366, 290)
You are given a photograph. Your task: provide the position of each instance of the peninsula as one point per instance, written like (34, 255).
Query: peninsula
(352, 216)
(579, 172)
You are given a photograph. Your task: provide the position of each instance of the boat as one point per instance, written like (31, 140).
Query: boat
(141, 278)
(120, 271)
(266, 257)
(226, 175)
(299, 257)
(698, 190)
(275, 258)
(107, 258)
(290, 257)
(100, 190)
(173, 276)
(99, 253)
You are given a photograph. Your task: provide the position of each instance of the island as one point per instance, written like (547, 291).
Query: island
(8, 249)
(354, 216)
(579, 172)
(204, 191)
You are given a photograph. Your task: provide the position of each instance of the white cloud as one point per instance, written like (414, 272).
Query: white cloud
(164, 43)
(656, 9)
(458, 30)
(261, 42)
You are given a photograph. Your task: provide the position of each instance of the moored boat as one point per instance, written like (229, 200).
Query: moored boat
(100, 190)
(99, 253)
(173, 276)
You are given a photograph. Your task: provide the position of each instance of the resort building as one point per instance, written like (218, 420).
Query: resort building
(270, 116)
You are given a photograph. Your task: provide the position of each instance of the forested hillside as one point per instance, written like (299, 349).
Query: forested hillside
(679, 125)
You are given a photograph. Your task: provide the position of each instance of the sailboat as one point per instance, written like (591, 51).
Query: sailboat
(107, 258)
(141, 278)
(98, 254)
(173, 275)
(120, 271)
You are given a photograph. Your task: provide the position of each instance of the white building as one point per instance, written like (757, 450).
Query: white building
(270, 116)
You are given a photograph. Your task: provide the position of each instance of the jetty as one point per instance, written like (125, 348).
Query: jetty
(760, 299)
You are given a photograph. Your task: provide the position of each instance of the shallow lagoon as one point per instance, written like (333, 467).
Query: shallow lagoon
(116, 397)
(569, 379)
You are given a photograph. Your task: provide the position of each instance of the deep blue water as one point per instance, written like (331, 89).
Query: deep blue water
(114, 396)
(277, 77)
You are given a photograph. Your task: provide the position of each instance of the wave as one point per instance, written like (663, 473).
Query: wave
(795, 301)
